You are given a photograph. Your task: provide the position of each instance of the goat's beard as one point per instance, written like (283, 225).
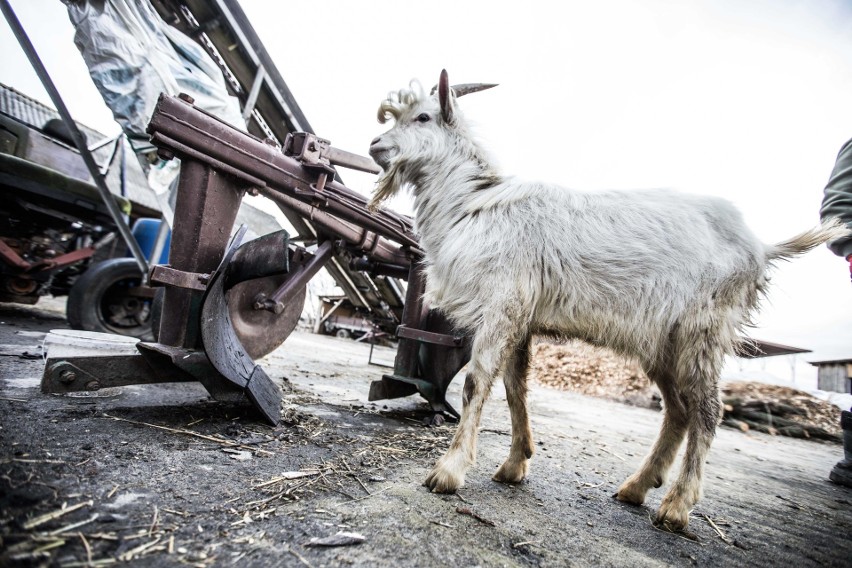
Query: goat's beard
(388, 184)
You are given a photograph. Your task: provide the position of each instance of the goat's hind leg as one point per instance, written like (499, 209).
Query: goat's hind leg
(699, 376)
(515, 468)
(652, 473)
(686, 491)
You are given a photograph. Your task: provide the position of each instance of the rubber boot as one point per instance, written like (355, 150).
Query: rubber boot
(841, 474)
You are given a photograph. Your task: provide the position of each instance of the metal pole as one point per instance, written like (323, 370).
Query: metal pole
(159, 242)
(79, 141)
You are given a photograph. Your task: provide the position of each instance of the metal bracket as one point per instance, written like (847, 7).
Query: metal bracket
(305, 266)
(314, 151)
(91, 373)
(168, 276)
(310, 150)
(430, 337)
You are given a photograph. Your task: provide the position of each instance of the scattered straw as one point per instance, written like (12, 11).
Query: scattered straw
(87, 547)
(682, 533)
(32, 523)
(719, 532)
(470, 513)
(228, 443)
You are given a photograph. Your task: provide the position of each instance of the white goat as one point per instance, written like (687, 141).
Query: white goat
(666, 278)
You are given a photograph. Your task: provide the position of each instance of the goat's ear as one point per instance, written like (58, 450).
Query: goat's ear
(445, 96)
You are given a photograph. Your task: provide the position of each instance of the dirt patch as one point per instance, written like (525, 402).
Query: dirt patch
(162, 475)
(218, 477)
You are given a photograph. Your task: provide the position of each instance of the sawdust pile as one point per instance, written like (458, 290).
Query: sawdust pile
(579, 367)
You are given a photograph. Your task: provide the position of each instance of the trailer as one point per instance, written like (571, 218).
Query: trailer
(57, 236)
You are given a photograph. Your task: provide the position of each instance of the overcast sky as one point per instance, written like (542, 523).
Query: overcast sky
(749, 100)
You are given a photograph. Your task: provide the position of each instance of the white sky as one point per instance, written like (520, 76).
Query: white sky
(745, 99)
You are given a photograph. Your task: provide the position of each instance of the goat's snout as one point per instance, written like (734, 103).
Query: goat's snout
(380, 151)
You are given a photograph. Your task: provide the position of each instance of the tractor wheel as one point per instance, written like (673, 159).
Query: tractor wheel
(107, 299)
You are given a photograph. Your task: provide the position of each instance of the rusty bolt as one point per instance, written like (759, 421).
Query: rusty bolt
(186, 98)
(66, 377)
(259, 302)
(93, 385)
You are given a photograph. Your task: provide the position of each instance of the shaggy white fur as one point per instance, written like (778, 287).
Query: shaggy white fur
(668, 278)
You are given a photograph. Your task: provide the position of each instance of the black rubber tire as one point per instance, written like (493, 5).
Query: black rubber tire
(99, 300)
(342, 334)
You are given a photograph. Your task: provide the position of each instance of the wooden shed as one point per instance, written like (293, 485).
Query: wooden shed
(835, 375)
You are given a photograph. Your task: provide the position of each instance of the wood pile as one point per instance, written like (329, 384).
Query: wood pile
(749, 406)
(780, 410)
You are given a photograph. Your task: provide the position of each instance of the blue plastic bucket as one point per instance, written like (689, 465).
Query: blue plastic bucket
(145, 232)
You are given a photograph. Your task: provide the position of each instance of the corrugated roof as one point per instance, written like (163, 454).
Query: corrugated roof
(755, 348)
(832, 362)
(33, 113)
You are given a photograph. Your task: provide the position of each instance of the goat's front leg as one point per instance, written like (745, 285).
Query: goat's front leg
(515, 468)
(486, 361)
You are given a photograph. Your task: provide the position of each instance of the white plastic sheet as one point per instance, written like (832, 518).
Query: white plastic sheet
(133, 56)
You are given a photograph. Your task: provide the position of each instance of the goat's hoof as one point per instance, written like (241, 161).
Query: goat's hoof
(673, 514)
(512, 471)
(631, 492)
(440, 480)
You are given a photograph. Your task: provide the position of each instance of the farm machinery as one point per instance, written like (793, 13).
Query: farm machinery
(227, 303)
(222, 302)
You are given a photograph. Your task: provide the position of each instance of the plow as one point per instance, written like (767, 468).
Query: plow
(223, 303)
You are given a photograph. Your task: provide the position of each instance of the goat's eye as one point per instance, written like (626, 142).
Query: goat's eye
(423, 117)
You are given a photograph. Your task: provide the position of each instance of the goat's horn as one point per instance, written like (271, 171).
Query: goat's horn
(466, 88)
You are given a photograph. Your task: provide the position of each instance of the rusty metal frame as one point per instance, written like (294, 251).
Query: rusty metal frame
(430, 352)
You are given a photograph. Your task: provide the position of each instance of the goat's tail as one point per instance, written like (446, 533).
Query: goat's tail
(830, 230)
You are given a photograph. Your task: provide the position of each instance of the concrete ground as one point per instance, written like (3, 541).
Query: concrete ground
(164, 476)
